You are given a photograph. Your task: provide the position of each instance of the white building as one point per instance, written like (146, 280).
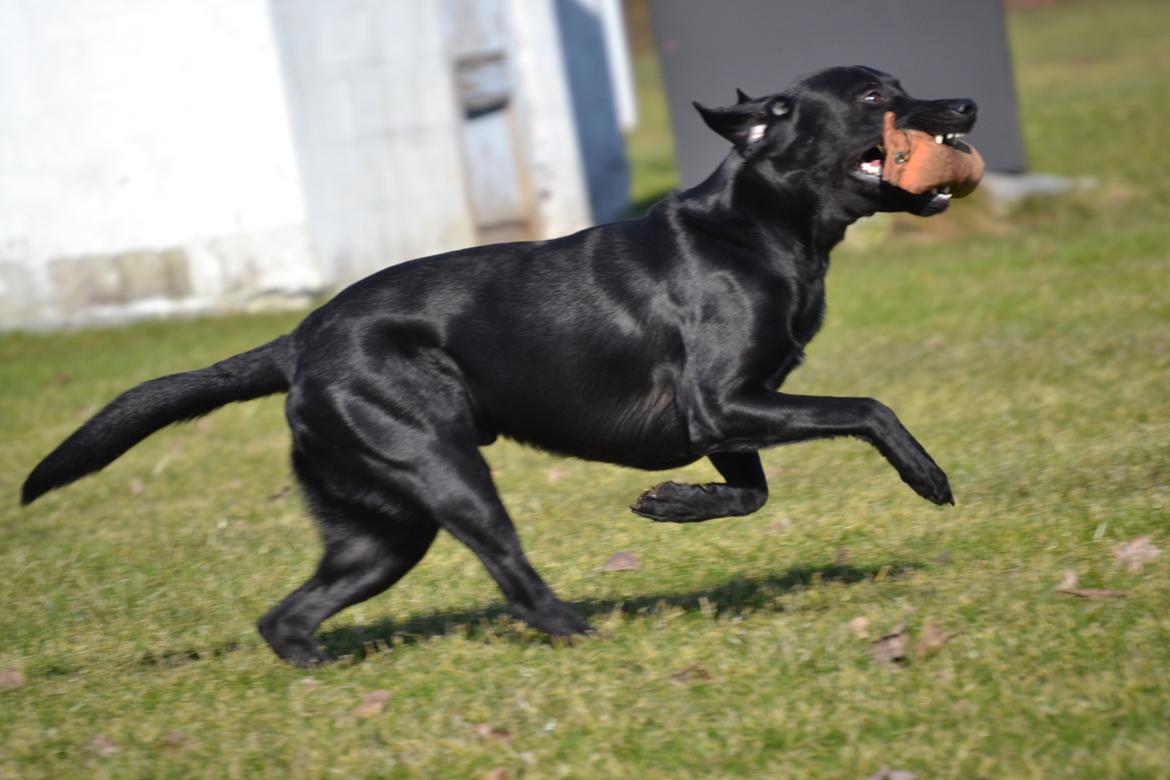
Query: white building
(167, 156)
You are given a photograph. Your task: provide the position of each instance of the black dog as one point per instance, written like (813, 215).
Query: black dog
(649, 343)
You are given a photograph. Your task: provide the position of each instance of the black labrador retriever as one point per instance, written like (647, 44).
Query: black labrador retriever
(649, 343)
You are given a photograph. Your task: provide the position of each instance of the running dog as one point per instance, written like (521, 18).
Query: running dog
(649, 343)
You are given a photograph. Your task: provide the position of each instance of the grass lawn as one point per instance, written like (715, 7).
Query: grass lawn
(1031, 354)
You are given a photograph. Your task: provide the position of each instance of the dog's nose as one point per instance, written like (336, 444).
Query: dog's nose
(965, 107)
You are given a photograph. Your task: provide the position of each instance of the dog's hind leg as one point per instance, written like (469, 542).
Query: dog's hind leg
(449, 480)
(366, 551)
(376, 445)
(469, 508)
(745, 491)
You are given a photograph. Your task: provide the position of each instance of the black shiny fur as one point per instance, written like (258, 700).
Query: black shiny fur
(650, 343)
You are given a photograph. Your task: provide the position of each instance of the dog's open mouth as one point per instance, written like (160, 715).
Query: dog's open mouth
(868, 169)
(871, 161)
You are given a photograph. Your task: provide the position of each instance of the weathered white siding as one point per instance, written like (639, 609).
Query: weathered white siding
(165, 156)
(146, 164)
(374, 115)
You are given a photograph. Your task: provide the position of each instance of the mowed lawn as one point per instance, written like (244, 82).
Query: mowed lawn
(1029, 352)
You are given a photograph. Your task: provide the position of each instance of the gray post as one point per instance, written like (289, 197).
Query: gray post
(950, 49)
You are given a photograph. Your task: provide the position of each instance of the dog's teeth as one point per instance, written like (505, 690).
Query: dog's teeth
(938, 139)
(950, 136)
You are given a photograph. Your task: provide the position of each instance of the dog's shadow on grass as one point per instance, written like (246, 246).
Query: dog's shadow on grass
(733, 598)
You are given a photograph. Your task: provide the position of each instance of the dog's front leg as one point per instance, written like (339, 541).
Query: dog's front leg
(745, 491)
(762, 419)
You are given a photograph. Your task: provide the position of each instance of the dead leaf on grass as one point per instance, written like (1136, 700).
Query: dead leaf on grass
(372, 703)
(1136, 553)
(10, 680)
(890, 649)
(885, 773)
(496, 773)
(859, 627)
(136, 487)
(103, 746)
(842, 557)
(1068, 586)
(692, 673)
(932, 640)
(62, 378)
(282, 493)
(621, 561)
(555, 473)
(781, 523)
(202, 424)
(1095, 593)
(490, 733)
(174, 741)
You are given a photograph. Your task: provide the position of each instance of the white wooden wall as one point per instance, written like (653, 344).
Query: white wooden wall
(146, 165)
(170, 156)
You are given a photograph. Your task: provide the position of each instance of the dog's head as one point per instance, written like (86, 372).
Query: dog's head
(824, 133)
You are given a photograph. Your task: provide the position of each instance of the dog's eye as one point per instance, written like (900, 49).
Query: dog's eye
(873, 96)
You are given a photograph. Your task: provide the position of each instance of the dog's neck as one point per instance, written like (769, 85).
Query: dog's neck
(772, 212)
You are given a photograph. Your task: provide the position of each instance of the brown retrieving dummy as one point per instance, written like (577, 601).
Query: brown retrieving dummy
(916, 163)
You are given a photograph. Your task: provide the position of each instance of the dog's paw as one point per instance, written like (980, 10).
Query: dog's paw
(674, 502)
(302, 652)
(653, 502)
(559, 621)
(670, 502)
(930, 482)
(942, 493)
(294, 648)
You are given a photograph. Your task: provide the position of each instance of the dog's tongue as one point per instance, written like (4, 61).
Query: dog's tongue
(916, 163)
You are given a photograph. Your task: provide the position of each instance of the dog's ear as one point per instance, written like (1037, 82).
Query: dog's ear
(747, 121)
(742, 124)
(741, 96)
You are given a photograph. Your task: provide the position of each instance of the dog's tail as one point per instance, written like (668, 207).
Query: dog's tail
(144, 409)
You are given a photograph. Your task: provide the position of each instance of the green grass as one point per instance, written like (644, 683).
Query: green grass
(1029, 354)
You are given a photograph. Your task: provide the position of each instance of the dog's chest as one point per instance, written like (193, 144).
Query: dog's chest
(802, 320)
(809, 312)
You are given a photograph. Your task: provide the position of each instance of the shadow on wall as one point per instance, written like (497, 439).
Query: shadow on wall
(594, 108)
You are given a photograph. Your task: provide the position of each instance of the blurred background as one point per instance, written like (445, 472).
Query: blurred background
(209, 155)
(198, 155)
